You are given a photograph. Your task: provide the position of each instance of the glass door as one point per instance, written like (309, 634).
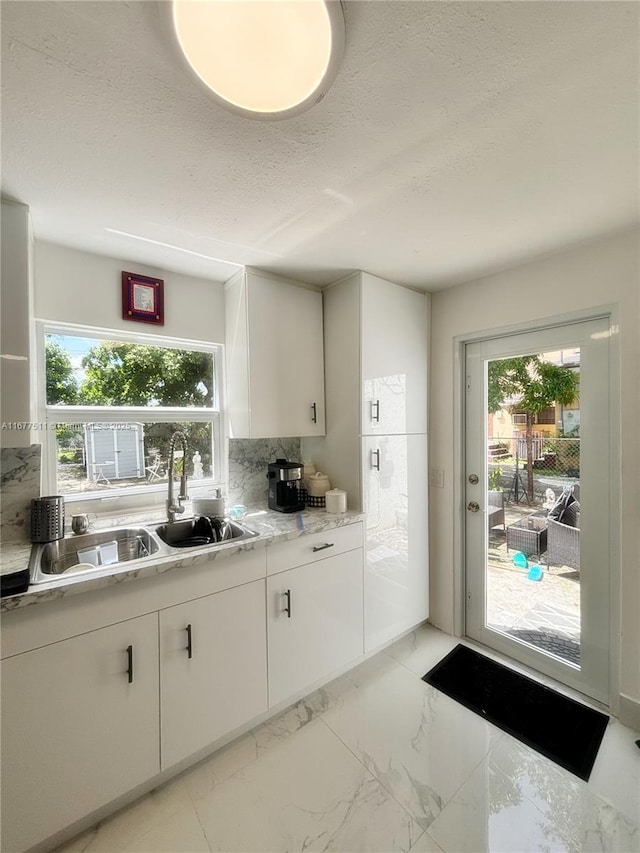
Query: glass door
(537, 477)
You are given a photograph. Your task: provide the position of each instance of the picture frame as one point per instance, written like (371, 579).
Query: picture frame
(142, 298)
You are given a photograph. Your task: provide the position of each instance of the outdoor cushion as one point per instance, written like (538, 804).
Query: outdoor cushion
(572, 515)
(559, 508)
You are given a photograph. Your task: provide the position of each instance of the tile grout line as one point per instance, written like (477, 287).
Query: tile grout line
(375, 779)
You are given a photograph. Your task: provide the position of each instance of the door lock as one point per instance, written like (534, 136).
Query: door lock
(473, 479)
(473, 506)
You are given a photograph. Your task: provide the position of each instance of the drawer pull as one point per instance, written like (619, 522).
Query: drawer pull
(130, 663)
(375, 460)
(287, 609)
(322, 547)
(189, 646)
(375, 411)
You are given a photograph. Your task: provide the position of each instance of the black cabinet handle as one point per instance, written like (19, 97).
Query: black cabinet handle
(189, 645)
(322, 547)
(287, 609)
(376, 456)
(375, 411)
(314, 416)
(130, 663)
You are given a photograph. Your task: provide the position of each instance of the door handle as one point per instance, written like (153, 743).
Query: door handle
(287, 609)
(375, 464)
(130, 664)
(473, 506)
(375, 411)
(189, 646)
(314, 416)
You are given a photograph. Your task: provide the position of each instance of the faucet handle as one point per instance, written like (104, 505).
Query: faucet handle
(183, 496)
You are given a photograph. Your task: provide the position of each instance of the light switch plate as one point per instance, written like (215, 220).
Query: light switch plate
(436, 477)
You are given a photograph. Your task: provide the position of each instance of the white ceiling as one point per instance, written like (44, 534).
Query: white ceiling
(458, 138)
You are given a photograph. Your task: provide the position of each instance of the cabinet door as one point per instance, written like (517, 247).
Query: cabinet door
(314, 622)
(286, 359)
(77, 729)
(213, 672)
(396, 577)
(394, 358)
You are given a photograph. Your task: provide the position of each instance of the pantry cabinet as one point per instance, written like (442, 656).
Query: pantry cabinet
(79, 727)
(394, 358)
(376, 440)
(274, 353)
(314, 622)
(213, 668)
(395, 503)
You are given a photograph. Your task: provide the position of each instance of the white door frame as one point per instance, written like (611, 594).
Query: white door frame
(459, 509)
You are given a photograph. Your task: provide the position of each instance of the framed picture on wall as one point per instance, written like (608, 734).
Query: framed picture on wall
(142, 298)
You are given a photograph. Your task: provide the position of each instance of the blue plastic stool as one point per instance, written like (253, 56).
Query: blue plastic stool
(535, 573)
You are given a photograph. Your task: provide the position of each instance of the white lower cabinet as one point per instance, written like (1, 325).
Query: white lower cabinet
(314, 621)
(79, 727)
(396, 577)
(213, 668)
(90, 715)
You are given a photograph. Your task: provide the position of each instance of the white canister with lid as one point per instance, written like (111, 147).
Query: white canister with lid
(336, 500)
(309, 469)
(318, 484)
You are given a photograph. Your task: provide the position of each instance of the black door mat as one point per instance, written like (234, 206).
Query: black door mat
(560, 728)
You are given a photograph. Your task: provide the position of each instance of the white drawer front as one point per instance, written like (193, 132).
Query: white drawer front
(312, 547)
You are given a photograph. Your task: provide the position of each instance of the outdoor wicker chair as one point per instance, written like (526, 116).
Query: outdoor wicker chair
(563, 538)
(495, 509)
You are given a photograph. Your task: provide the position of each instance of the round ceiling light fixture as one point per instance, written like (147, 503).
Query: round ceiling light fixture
(265, 59)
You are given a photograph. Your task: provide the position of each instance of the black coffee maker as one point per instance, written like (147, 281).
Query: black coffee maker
(284, 482)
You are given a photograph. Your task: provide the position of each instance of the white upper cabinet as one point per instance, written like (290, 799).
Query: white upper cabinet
(275, 367)
(394, 358)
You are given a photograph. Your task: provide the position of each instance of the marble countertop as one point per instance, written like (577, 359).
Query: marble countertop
(270, 527)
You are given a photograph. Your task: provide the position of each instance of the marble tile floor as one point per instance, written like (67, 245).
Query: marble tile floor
(380, 761)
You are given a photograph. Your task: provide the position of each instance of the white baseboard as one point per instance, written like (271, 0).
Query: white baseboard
(630, 712)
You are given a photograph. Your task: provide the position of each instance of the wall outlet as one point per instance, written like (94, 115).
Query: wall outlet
(436, 477)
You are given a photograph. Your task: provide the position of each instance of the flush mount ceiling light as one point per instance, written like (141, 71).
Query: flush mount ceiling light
(263, 58)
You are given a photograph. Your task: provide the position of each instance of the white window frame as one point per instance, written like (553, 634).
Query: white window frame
(48, 415)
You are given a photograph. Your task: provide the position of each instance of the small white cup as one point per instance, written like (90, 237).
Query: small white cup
(336, 500)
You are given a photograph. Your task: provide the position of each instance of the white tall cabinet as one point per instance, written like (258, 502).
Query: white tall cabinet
(376, 368)
(274, 357)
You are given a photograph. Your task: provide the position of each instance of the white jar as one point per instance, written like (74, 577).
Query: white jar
(336, 500)
(318, 484)
(308, 470)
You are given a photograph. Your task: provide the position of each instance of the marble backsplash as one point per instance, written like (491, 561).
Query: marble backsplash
(248, 460)
(19, 483)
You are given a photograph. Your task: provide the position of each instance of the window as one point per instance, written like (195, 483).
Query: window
(111, 404)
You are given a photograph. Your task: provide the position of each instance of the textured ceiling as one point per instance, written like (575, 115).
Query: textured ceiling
(458, 138)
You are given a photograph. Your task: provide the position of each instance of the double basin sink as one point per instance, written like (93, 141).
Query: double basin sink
(90, 552)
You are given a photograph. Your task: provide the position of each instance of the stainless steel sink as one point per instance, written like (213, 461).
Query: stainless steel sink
(91, 551)
(196, 532)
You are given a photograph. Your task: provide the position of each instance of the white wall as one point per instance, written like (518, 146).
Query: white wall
(16, 295)
(600, 273)
(84, 288)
